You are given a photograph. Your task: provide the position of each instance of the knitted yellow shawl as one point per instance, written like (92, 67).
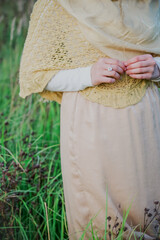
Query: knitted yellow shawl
(62, 37)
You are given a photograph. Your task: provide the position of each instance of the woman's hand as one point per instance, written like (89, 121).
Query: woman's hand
(142, 67)
(100, 73)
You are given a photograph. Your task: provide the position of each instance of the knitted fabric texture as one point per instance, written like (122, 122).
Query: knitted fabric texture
(55, 42)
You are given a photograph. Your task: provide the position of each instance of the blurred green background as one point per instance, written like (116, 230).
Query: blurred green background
(31, 189)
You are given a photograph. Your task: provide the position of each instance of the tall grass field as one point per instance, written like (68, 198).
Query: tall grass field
(31, 195)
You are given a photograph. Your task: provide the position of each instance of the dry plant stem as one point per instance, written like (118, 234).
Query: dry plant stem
(157, 214)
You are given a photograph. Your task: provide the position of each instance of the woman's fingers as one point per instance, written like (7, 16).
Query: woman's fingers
(141, 67)
(139, 58)
(101, 74)
(116, 62)
(147, 74)
(115, 68)
(140, 64)
(140, 70)
(107, 80)
(112, 73)
(141, 76)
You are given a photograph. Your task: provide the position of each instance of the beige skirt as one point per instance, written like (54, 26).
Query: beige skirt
(114, 149)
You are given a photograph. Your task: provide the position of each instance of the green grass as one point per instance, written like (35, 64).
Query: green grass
(31, 196)
(31, 191)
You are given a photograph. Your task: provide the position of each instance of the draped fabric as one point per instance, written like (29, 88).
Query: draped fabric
(70, 34)
(120, 32)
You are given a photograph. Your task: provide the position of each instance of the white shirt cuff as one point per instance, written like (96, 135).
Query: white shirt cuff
(157, 59)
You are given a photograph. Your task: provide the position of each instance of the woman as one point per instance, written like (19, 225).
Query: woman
(99, 59)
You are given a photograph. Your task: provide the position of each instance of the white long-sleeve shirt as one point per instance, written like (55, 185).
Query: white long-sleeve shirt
(77, 79)
(70, 80)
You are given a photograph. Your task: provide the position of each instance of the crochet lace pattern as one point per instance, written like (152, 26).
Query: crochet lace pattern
(55, 42)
